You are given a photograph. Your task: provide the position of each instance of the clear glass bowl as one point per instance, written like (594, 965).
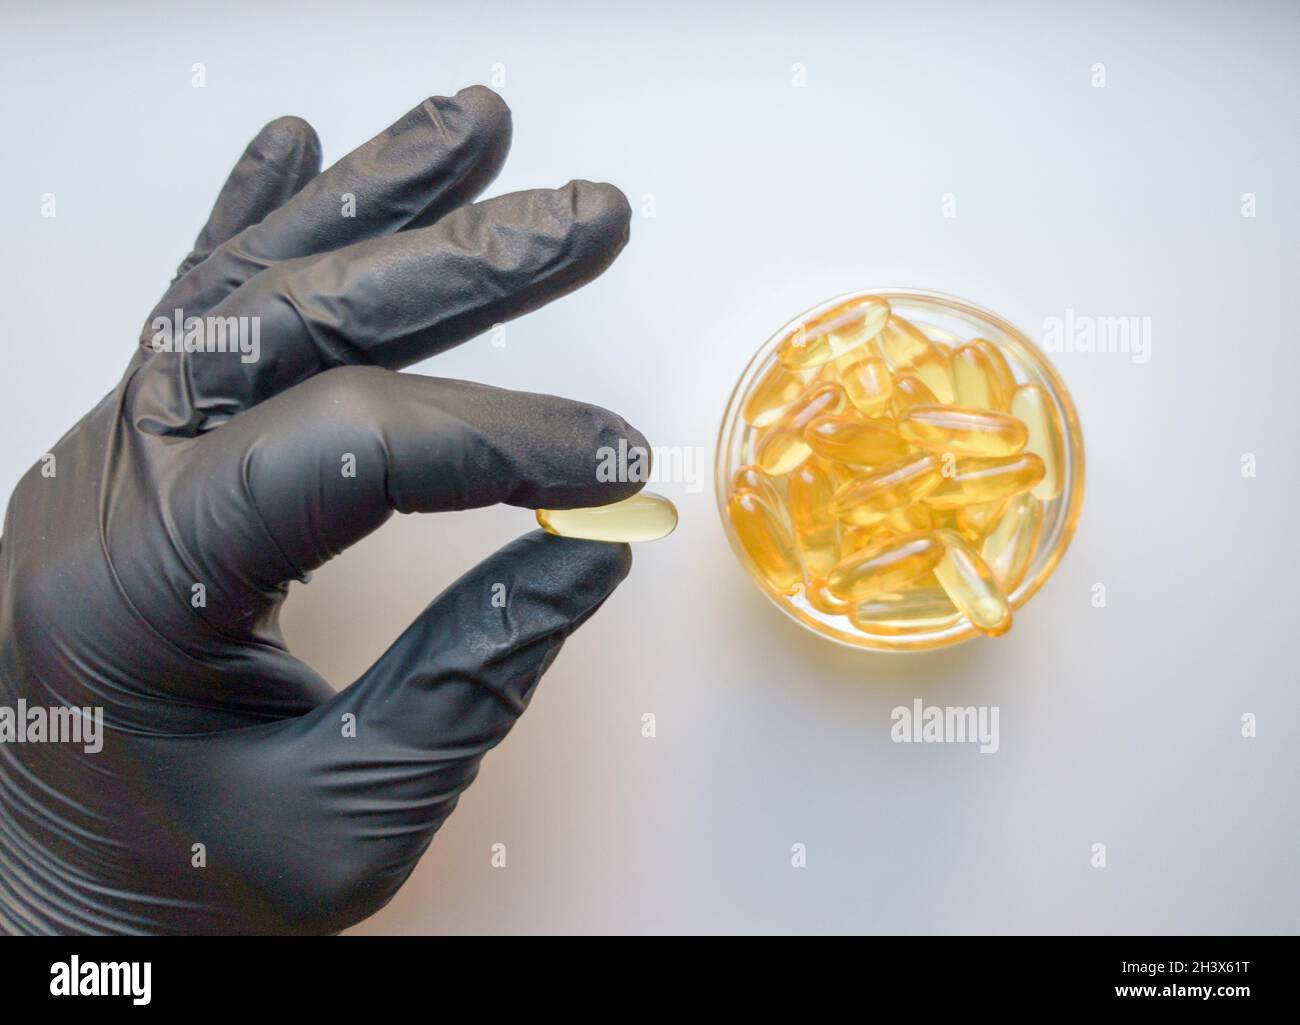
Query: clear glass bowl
(945, 319)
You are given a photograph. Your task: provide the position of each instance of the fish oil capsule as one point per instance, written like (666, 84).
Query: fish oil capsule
(917, 610)
(809, 491)
(855, 539)
(974, 522)
(907, 350)
(1001, 369)
(775, 390)
(783, 447)
(975, 480)
(969, 432)
(1035, 408)
(868, 384)
(909, 391)
(643, 517)
(751, 478)
(869, 499)
(944, 519)
(849, 439)
(1010, 546)
(885, 566)
(766, 540)
(833, 333)
(819, 552)
(981, 378)
(910, 519)
(831, 371)
(971, 587)
(822, 599)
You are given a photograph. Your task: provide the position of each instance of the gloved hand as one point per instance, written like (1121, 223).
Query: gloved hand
(143, 567)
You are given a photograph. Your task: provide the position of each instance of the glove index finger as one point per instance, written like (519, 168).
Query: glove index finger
(328, 461)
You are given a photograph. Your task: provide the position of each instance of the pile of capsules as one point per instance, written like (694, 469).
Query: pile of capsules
(893, 478)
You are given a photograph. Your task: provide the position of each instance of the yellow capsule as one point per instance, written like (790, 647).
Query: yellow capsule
(752, 478)
(909, 391)
(974, 522)
(971, 587)
(781, 451)
(885, 566)
(917, 610)
(911, 518)
(820, 597)
(981, 378)
(869, 499)
(1010, 546)
(819, 552)
(775, 390)
(766, 539)
(830, 372)
(855, 539)
(975, 481)
(963, 431)
(809, 491)
(782, 448)
(1002, 372)
(944, 519)
(907, 350)
(848, 439)
(868, 384)
(1035, 408)
(833, 333)
(643, 517)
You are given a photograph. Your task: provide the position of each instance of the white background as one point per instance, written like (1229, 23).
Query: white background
(1119, 725)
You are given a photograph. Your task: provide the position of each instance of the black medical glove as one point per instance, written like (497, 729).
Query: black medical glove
(145, 559)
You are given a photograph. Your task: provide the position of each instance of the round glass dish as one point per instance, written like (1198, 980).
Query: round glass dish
(951, 322)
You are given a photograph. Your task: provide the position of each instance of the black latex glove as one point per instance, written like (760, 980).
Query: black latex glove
(203, 469)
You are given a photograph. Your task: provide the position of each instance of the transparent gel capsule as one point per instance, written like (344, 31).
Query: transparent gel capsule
(974, 522)
(963, 431)
(822, 599)
(909, 519)
(849, 439)
(974, 480)
(855, 539)
(909, 391)
(981, 378)
(752, 478)
(969, 584)
(868, 384)
(775, 390)
(918, 610)
(643, 517)
(1009, 547)
(868, 500)
(819, 552)
(809, 488)
(885, 566)
(765, 538)
(908, 351)
(1035, 408)
(831, 334)
(782, 447)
